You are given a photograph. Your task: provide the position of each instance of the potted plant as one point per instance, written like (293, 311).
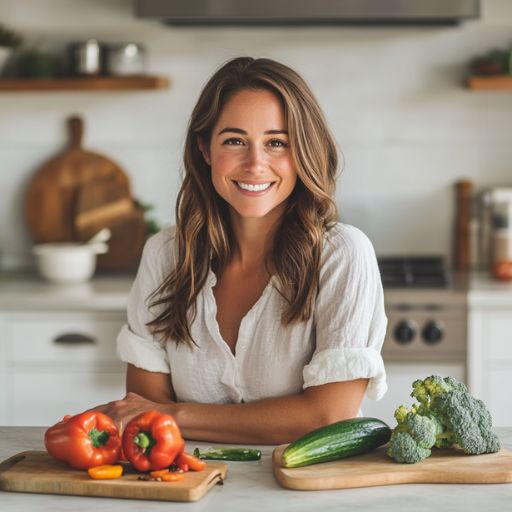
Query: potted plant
(8, 41)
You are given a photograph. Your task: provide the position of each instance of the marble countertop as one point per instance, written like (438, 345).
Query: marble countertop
(27, 291)
(484, 291)
(250, 486)
(22, 292)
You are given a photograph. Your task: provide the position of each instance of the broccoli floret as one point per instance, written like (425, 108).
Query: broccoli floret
(446, 414)
(412, 438)
(469, 421)
(444, 438)
(426, 390)
(403, 448)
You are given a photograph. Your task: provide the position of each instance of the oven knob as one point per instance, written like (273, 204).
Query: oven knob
(404, 332)
(432, 333)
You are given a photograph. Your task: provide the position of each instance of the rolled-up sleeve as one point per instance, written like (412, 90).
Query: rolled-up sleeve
(349, 316)
(135, 343)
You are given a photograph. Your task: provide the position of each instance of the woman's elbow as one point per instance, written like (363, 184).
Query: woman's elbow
(328, 417)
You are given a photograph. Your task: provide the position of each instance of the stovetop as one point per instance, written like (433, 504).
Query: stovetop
(413, 272)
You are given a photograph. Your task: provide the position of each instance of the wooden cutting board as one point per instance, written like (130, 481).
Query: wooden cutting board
(106, 204)
(376, 468)
(37, 472)
(50, 200)
(98, 202)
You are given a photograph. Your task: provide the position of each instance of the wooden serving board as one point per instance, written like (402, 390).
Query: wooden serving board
(376, 468)
(50, 201)
(37, 472)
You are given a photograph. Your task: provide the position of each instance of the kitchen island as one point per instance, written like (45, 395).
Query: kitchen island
(250, 486)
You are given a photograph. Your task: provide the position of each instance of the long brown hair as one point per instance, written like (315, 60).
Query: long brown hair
(203, 230)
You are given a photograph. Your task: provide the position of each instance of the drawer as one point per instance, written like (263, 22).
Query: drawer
(42, 399)
(75, 338)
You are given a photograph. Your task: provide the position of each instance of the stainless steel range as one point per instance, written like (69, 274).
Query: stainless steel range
(427, 318)
(426, 310)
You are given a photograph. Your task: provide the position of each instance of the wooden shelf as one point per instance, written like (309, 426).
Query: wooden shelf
(490, 83)
(100, 83)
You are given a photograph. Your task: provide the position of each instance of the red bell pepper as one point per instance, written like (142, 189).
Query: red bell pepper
(152, 440)
(85, 440)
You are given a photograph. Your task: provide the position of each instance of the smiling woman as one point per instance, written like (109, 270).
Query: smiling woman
(250, 156)
(258, 317)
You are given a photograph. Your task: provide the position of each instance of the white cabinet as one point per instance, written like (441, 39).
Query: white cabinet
(490, 357)
(490, 345)
(56, 363)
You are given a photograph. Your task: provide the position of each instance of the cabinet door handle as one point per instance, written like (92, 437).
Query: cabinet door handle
(73, 338)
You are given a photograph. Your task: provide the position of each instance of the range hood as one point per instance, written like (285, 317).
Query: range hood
(307, 12)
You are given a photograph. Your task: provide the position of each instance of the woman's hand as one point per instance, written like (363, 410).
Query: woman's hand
(122, 411)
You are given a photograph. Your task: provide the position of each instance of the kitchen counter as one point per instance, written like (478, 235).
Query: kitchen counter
(109, 292)
(250, 486)
(22, 292)
(484, 291)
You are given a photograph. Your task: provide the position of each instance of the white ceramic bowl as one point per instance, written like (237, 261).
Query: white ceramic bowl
(67, 262)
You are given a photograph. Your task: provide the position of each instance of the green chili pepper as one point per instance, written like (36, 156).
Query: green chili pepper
(236, 454)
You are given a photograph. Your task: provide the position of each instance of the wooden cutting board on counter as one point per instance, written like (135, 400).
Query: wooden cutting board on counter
(37, 472)
(376, 468)
(50, 200)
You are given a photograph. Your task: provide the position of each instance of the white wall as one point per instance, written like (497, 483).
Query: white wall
(394, 98)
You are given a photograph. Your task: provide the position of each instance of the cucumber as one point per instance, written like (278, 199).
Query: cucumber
(336, 441)
(223, 453)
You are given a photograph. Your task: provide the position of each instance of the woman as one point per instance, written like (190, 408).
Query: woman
(257, 318)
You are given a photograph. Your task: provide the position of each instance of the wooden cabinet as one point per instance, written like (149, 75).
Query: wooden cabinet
(56, 363)
(490, 349)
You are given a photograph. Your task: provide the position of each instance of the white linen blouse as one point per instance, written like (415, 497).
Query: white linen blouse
(341, 341)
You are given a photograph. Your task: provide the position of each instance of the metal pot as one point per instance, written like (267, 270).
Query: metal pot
(87, 57)
(125, 59)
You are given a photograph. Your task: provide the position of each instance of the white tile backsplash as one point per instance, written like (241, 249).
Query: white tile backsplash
(394, 98)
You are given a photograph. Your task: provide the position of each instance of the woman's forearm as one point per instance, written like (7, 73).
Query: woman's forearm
(268, 421)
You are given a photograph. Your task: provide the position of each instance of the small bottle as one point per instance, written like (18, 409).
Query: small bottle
(502, 242)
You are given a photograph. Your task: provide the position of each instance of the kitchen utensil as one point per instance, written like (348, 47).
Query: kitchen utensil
(70, 262)
(36, 471)
(51, 194)
(126, 59)
(376, 468)
(102, 236)
(86, 58)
